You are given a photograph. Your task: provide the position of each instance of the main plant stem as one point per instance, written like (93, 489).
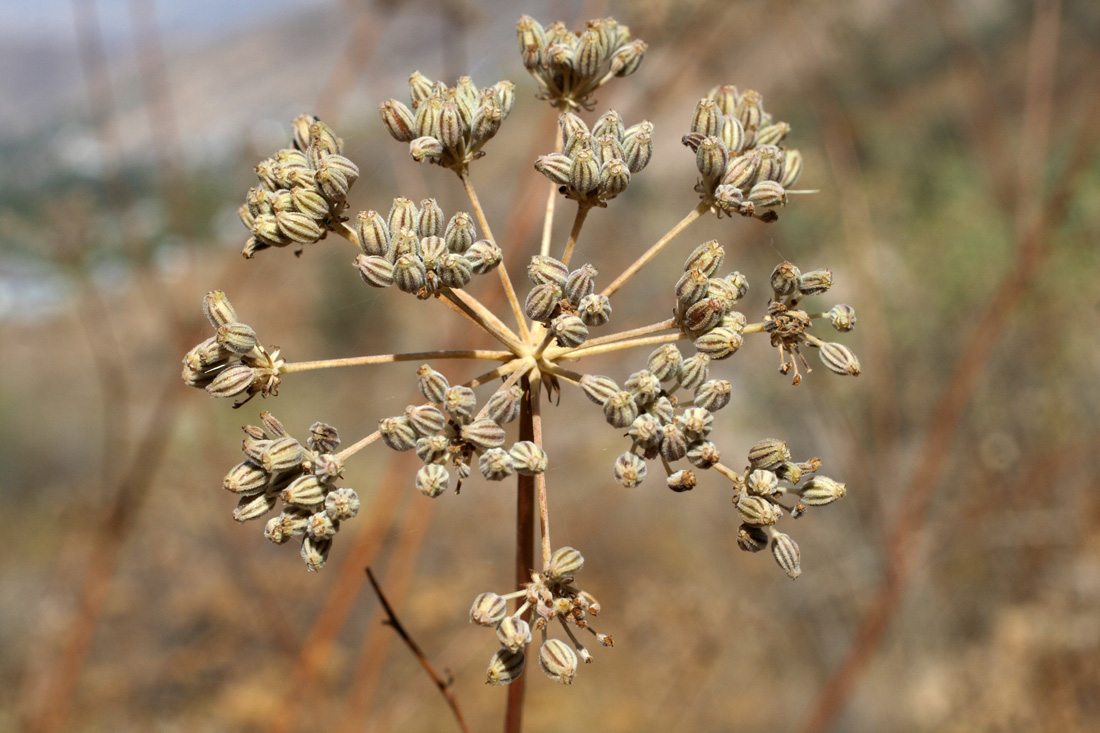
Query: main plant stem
(525, 548)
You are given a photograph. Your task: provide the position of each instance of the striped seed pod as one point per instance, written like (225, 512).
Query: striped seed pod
(787, 554)
(713, 395)
(375, 271)
(594, 309)
(694, 371)
(529, 458)
(432, 480)
(409, 273)
(483, 434)
(630, 470)
(433, 385)
(398, 433)
(543, 269)
(459, 234)
(598, 388)
(620, 409)
(564, 563)
(837, 358)
(495, 464)
(769, 453)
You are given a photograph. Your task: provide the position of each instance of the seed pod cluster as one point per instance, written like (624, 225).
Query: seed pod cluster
(449, 430)
(420, 251)
(565, 302)
(595, 165)
(232, 362)
(739, 151)
(704, 310)
(570, 65)
(788, 324)
(278, 467)
(446, 125)
(556, 597)
(302, 190)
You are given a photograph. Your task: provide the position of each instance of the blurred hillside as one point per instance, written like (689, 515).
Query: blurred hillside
(953, 145)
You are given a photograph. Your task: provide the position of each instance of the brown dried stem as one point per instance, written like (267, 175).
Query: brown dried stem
(392, 620)
(578, 222)
(478, 354)
(584, 351)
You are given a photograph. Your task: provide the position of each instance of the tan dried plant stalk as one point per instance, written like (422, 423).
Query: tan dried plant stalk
(666, 407)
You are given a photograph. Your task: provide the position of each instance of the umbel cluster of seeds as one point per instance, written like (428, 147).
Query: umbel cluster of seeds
(667, 408)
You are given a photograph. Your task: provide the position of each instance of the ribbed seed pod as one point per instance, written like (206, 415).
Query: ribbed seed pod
(455, 270)
(663, 410)
(751, 539)
(711, 158)
(728, 198)
(569, 330)
(713, 395)
(756, 510)
(232, 381)
(217, 308)
(733, 134)
(558, 661)
(842, 317)
(459, 402)
(770, 167)
(733, 320)
(571, 124)
(790, 472)
(542, 302)
(315, 553)
(342, 164)
(579, 140)
(514, 633)
(691, 288)
(459, 234)
(792, 170)
(375, 271)
(420, 88)
(787, 554)
(426, 118)
(427, 420)
(505, 92)
(503, 406)
(281, 454)
(341, 504)
(398, 120)
(768, 454)
(589, 54)
(620, 409)
(433, 448)
(273, 531)
(532, 40)
(398, 433)
(584, 172)
(608, 148)
(750, 109)
(254, 507)
(555, 166)
(705, 314)
(506, 665)
(762, 483)
(450, 125)
(564, 563)
(543, 269)
(432, 480)
(425, 148)
(598, 388)
(528, 458)
(703, 454)
(403, 215)
(723, 290)
(815, 282)
(430, 220)
(638, 146)
(488, 609)
(741, 172)
(719, 343)
(772, 134)
(304, 491)
(708, 257)
(682, 481)
(239, 338)
(627, 59)
(594, 309)
(433, 385)
(694, 371)
(245, 478)
(821, 490)
(483, 256)
(309, 202)
(665, 362)
(646, 431)
(495, 464)
(487, 119)
(373, 233)
(320, 526)
(609, 123)
(707, 118)
(334, 184)
(696, 422)
(432, 250)
(644, 386)
(630, 470)
(580, 283)
(614, 179)
(837, 358)
(404, 242)
(674, 443)
(209, 353)
(767, 193)
(483, 434)
(297, 227)
(409, 273)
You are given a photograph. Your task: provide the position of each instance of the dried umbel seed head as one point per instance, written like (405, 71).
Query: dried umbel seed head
(341, 504)
(505, 667)
(398, 433)
(665, 362)
(768, 454)
(543, 269)
(514, 633)
(488, 609)
(694, 371)
(558, 661)
(786, 554)
(245, 478)
(821, 490)
(646, 431)
(528, 458)
(483, 434)
(564, 563)
(503, 407)
(432, 480)
(426, 420)
(756, 510)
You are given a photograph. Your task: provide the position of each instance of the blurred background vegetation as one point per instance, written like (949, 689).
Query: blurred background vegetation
(956, 588)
